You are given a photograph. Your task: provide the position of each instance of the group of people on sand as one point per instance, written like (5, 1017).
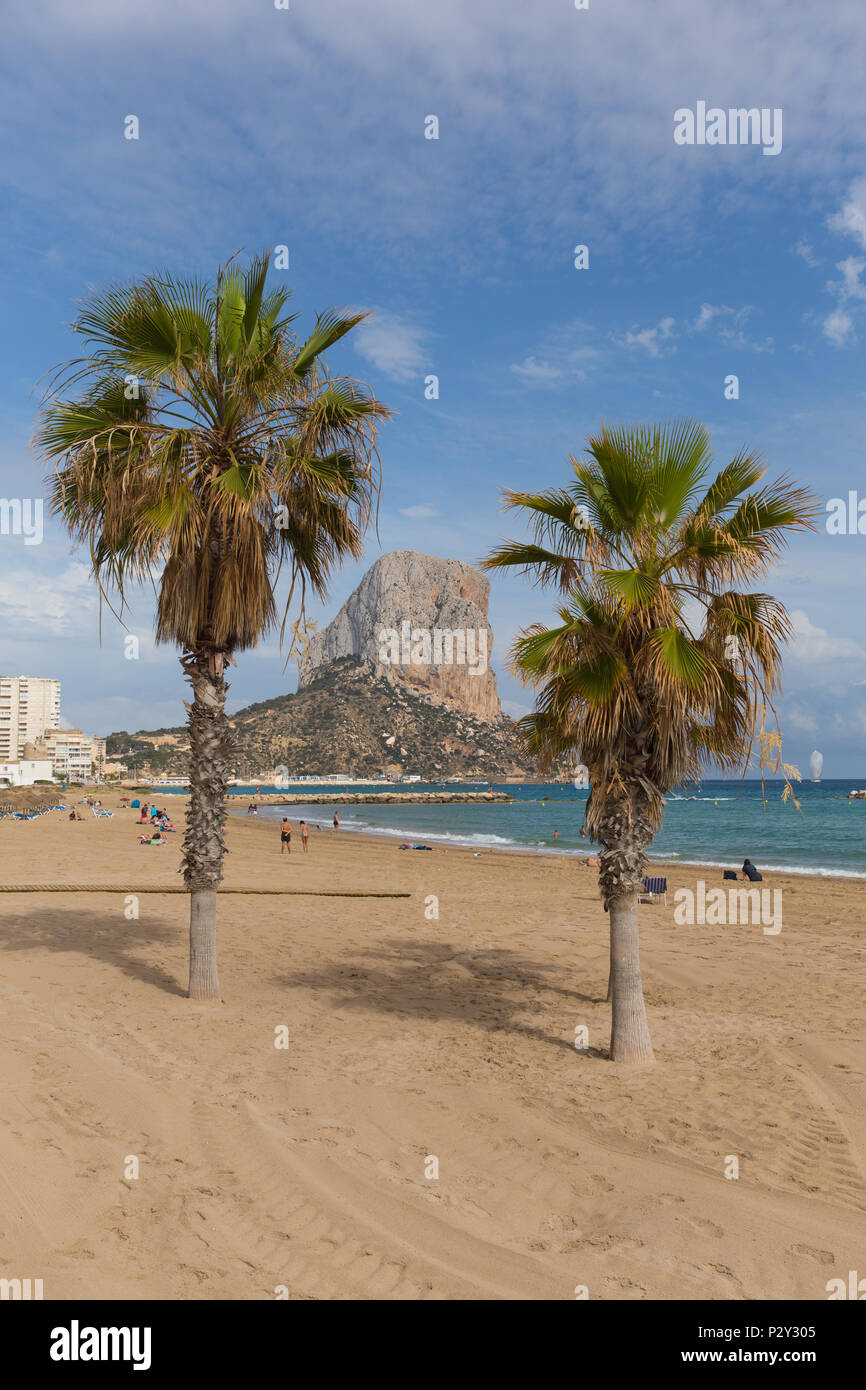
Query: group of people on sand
(286, 833)
(159, 822)
(156, 817)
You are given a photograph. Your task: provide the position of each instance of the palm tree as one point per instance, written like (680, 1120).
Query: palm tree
(206, 446)
(662, 662)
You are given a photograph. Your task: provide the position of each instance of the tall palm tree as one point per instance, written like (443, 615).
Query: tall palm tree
(662, 661)
(206, 446)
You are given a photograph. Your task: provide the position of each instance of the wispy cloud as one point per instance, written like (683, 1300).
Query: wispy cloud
(805, 251)
(652, 340)
(563, 356)
(851, 217)
(421, 512)
(394, 344)
(839, 325)
(730, 326)
(814, 645)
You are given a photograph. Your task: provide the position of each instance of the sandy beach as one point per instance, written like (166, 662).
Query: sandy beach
(413, 1038)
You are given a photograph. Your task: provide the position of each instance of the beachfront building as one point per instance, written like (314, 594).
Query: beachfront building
(74, 755)
(29, 706)
(23, 772)
(112, 769)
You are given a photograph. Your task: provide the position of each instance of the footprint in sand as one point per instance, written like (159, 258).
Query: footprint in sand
(821, 1257)
(700, 1223)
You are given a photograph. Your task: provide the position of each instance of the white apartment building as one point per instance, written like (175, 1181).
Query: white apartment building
(29, 707)
(74, 754)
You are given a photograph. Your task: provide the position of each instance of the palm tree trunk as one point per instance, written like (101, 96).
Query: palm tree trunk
(203, 843)
(623, 827)
(629, 1033)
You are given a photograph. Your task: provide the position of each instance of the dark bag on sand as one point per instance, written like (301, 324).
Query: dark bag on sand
(730, 873)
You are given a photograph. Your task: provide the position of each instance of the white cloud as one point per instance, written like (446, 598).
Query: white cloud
(420, 512)
(850, 286)
(710, 312)
(37, 604)
(651, 339)
(814, 645)
(562, 357)
(851, 219)
(731, 326)
(839, 328)
(804, 249)
(541, 373)
(394, 344)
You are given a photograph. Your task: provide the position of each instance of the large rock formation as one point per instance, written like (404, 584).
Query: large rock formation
(420, 622)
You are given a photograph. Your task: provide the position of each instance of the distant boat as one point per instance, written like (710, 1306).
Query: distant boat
(816, 766)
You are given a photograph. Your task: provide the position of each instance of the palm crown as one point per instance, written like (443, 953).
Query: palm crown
(208, 442)
(661, 660)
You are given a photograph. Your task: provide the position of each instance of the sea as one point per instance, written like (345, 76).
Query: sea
(720, 823)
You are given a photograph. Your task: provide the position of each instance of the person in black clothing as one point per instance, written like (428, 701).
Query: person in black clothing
(751, 873)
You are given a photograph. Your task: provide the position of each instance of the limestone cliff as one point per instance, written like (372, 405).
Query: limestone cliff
(421, 622)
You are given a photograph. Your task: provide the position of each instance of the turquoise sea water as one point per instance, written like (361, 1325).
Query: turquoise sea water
(721, 823)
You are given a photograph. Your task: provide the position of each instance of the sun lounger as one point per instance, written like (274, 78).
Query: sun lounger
(654, 888)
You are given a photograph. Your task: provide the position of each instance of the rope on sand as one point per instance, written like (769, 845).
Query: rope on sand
(260, 892)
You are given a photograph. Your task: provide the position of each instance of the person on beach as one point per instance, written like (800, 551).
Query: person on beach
(751, 873)
(336, 820)
(285, 836)
(305, 835)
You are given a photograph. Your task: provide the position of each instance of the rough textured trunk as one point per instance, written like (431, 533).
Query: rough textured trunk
(203, 843)
(203, 977)
(629, 1030)
(624, 830)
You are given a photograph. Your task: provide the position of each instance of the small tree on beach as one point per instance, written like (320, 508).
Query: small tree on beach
(662, 663)
(203, 447)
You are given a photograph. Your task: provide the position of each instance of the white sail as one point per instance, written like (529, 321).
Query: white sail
(816, 766)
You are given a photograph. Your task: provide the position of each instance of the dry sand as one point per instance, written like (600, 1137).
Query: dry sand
(410, 1038)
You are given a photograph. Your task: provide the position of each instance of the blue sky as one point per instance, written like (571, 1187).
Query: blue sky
(305, 127)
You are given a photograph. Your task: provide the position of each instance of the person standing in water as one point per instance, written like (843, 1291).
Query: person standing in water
(285, 836)
(336, 820)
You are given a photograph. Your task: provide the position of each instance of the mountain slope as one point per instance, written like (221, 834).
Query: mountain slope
(348, 720)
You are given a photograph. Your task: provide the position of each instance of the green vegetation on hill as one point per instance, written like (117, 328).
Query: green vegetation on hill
(347, 721)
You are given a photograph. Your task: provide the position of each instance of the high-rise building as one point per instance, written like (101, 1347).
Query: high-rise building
(29, 706)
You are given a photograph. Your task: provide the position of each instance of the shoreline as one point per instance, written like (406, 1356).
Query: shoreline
(473, 846)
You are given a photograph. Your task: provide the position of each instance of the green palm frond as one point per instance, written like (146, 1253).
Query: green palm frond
(632, 683)
(196, 420)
